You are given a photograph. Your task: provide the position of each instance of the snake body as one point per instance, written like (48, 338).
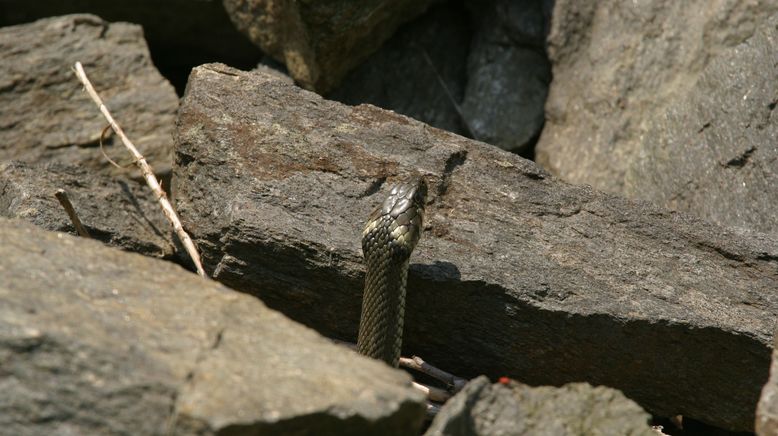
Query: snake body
(389, 237)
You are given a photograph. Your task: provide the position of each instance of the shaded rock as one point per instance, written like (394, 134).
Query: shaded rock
(108, 342)
(116, 211)
(405, 75)
(45, 116)
(508, 73)
(712, 152)
(482, 408)
(518, 274)
(181, 34)
(767, 409)
(618, 64)
(320, 42)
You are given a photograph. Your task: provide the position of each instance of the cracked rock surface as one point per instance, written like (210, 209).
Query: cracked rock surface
(713, 152)
(94, 340)
(46, 116)
(518, 274)
(114, 210)
(618, 64)
(483, 408)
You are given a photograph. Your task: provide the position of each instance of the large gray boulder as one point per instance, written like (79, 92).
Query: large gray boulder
(98, 341)
(420, 72)
(617, 64)
(486, 409)
(114, 210)
(508, 72)
(45, 115)
(481, 72)
(713, 151)
(319, 42)
(517, 274)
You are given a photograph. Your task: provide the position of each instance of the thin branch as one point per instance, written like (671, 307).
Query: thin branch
(417, 363)
(432, 411)
(102, 150)
(63, 199)
(434, 394)
(454, 383)
(147, 172)
(457, 108)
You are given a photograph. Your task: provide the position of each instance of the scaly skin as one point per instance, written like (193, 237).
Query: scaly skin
(389, 237)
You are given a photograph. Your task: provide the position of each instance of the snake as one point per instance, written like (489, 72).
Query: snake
(388, 239)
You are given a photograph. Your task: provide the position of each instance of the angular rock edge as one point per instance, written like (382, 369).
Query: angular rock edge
(483, 408)
(94, 340)
(518, 274)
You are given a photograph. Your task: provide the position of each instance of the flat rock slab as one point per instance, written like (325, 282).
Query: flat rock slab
(517, 274)
(114, 210)
(46, 116)
(484, 409)
(713, 151)
(94, 340)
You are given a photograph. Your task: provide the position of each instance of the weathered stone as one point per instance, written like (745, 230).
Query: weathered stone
(45, 116)
(405, 75)
(181, 34)
(116, 211)
(618, 64)
(482, 408)
(713, 151)
(94, 340)
(767, 409)
(508, 73)
(320, 42)
(495, 68)
(518, 274)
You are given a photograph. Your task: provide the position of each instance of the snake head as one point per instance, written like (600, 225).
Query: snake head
(397, 223)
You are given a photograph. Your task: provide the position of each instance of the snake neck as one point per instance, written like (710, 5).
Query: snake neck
(388, 239)
(383, 310)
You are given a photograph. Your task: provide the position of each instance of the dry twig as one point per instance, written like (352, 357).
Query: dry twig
(434, 395)
(63, 199)
(146, 170)
(454, 383)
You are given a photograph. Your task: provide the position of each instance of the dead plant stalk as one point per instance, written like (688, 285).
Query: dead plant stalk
(146, 170)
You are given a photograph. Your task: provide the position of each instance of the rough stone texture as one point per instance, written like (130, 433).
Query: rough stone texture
(116, 211)
(767, 409)
(45, 116)
(713, 151)
(617, 64)
(399, 75)
(482, 408)
(508, 73)
(518, 274)
(319, 42)
(108, 342)
(493, 65)
(181, 34)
